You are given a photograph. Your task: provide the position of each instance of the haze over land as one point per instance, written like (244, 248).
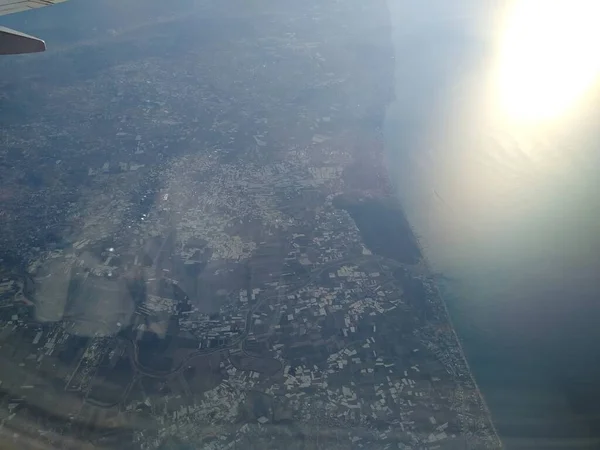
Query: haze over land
(200, 242)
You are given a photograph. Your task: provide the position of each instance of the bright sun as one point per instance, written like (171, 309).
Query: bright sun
(549, 57)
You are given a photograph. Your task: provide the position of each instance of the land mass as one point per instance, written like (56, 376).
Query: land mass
(201, 247)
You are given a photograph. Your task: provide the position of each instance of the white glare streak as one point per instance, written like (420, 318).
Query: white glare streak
(548, 57)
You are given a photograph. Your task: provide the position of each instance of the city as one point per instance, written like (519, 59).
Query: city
(218, 266)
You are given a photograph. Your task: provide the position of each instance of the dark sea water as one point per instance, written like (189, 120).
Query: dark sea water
(507, 209)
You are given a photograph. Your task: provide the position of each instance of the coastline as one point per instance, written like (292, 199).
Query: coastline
(393, 191)
(460, 347)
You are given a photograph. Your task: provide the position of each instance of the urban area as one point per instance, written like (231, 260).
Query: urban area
(202, 247)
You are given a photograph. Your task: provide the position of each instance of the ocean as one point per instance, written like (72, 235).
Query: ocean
(498, 179)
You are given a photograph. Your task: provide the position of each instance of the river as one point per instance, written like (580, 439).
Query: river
(493, 146)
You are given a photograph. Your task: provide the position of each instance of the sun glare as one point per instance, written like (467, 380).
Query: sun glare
(548, 57)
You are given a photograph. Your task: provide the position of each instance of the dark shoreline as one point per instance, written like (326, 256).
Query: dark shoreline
(390, 234)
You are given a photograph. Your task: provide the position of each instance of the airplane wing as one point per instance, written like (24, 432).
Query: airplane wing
(13, 6)
(14, 42)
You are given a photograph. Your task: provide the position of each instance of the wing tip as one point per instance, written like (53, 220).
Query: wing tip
(14, 42)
